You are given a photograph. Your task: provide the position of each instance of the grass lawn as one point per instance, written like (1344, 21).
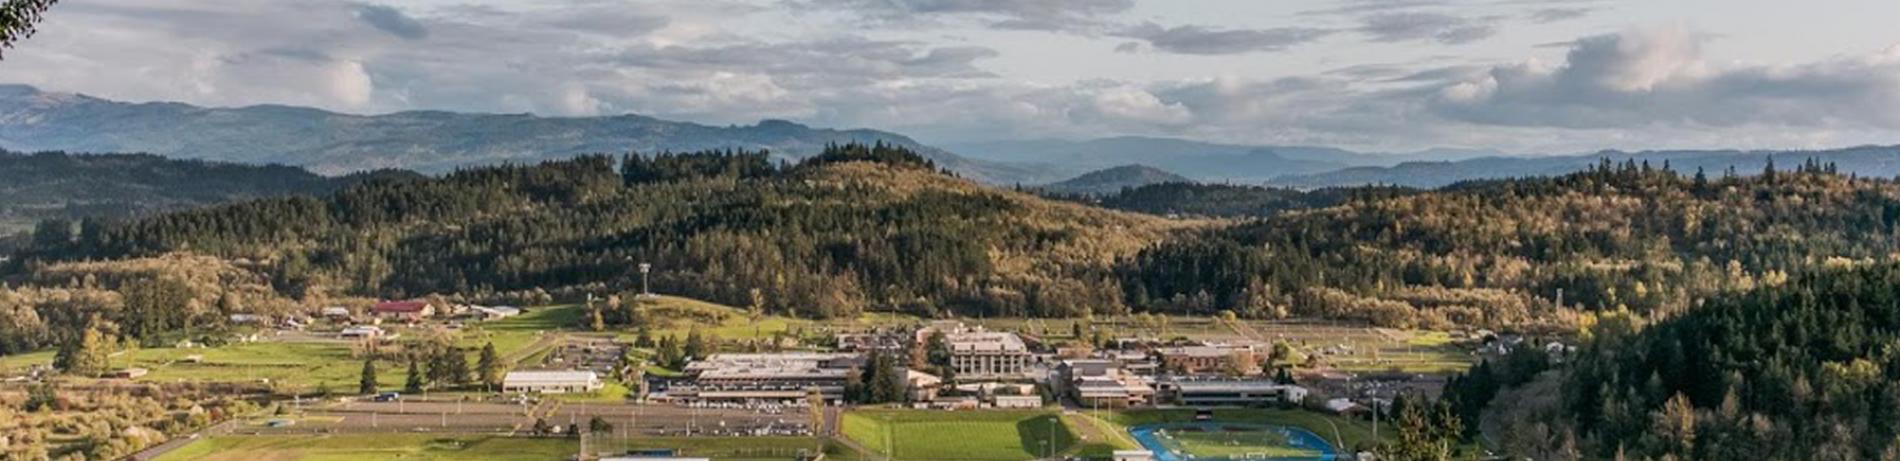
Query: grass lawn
(424, 447)
(721, 448)
(303, 366)
(290, 366)
(1243, 444)
(610, 391)
(407, 447)
(1332, 428)
(920, 435)
(512, 334)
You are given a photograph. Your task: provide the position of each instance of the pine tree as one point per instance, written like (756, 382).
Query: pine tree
(669, 353)
(457, 364)
(643, 339)
(1418, 440)
(489, 366)
(366, 384)
(413, 384)
(88, 355)
(695, 345)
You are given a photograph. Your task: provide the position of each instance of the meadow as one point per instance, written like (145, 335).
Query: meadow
(424, 447)
(962, 435)
(374, 447)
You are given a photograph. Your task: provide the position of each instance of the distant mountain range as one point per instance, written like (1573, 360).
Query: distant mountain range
(1201, 161)
(434, 142)
(1865, 161)
(424, 141)
(1113, 180)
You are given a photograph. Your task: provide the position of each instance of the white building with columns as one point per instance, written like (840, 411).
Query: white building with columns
(986, 355)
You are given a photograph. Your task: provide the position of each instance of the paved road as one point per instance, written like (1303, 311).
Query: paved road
(179, 442)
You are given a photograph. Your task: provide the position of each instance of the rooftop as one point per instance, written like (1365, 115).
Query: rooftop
(401, 306)
(550, 377)
(1197, 351)
(985, 341)
(793, 365)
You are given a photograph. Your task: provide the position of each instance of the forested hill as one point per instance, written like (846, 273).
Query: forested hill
(1228, 200)
(853, 227)
(1805, 370)
(69, 187)
(1528, 252)
(1880, 161)
(1112, 180)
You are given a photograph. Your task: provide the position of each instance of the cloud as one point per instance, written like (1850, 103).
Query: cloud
(391, 20)
(1004, 14)
(1408, 26)
(1657, 77)
(350, 84)
(1192, 39)
(710, 61)
(1354, 7)
(1550, 15)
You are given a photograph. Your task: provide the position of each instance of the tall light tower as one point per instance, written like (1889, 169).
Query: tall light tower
(645, 268)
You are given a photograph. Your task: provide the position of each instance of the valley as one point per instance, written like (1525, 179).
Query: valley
(1338, 305)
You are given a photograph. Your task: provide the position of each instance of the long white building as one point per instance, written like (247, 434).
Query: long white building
(1220, 392)
(766, 377)
(551, 382)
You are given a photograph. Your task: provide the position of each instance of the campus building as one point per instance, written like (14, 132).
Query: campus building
(765, 377)
(1194, 359)
(985, 355)
(403, 310)
(551, 382)
(1097, 383)
(1220, 392)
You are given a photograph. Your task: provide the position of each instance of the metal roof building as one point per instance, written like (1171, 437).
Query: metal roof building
(551, 382)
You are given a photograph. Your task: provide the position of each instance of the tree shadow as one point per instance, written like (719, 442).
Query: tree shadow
(1033, 432)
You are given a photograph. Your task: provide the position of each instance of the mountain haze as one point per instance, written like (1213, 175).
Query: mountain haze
(426, 141)
(1112, 180)
(1202, 161)
(1881, 161)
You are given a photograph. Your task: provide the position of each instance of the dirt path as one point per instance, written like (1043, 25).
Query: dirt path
(544, 342)
(1241, 329)
(1105, 431)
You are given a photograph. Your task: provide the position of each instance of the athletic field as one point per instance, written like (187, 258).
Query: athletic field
(1215, 441)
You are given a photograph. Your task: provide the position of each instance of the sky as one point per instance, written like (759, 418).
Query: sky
(1519, 76)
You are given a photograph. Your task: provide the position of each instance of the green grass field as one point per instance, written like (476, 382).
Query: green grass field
(289, 366)
(965, 435)
(304, 366)
(407, 447)
(1343, 433)
(514, 334)
(1241, 444)
(422, 447)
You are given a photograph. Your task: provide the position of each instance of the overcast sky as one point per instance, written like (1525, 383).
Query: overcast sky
(1515, 75)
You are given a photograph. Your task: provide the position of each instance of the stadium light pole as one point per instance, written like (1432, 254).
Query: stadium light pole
(645, 269)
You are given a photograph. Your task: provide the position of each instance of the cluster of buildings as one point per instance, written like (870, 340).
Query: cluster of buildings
(1202, 374)
(996, 370)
